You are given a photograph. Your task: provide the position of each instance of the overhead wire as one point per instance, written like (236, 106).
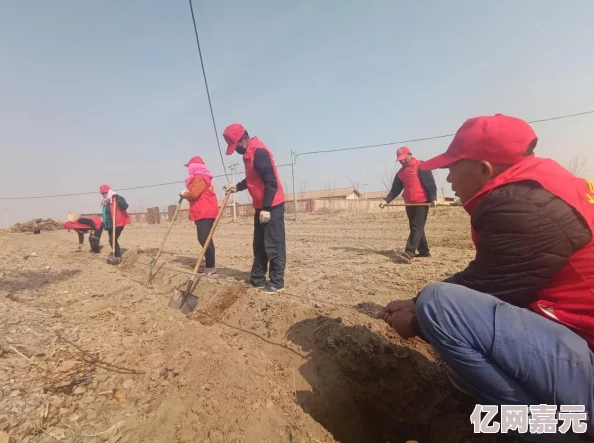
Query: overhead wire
(560, 117)
(436, 137)
(214, 124)
(118, 189)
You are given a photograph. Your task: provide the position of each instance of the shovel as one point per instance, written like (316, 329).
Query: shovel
(112, 259)
(154, 260)
(185, 301)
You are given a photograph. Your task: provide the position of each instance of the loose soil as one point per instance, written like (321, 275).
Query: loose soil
(91, 353)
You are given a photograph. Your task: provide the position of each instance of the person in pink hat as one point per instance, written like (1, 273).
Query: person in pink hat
(516, 326)
(110, 198)
(203, 207)
(264, 185)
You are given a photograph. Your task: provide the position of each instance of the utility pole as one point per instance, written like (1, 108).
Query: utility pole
(233, 169)
(293, 159)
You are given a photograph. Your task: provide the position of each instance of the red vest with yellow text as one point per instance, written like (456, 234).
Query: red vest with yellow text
(255, 184)
(569, 297)
(206, 206)
(413, 188)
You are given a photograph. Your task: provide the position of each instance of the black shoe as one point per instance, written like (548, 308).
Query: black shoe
(427, 255)
(406, 256)
(272, 289)
(261, 285)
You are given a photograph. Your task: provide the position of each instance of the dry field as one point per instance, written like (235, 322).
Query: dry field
(91, 353)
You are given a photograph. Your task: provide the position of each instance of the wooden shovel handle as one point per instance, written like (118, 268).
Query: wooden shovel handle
(113, 223)
(181, 199)
(207, 243)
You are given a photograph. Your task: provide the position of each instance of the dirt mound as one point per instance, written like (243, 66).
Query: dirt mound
(371, 386)
(45, 225)
(217, 308)
(323, 211)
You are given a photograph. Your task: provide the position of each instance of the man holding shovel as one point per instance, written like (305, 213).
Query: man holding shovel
(419, 189)
(264, 185)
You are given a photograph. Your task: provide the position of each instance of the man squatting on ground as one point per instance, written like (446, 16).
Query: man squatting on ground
(417, 186)
(516, 327)
(264, 185)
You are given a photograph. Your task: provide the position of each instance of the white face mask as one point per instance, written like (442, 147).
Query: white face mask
(104, 195)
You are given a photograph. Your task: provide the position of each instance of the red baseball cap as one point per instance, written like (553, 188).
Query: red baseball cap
(104, 188)
(402, 153)
(498, 139)
(233, 133)
(196, 159)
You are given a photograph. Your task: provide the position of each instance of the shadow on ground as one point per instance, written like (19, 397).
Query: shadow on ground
(367, 388)
(395, 256)
(16, 281)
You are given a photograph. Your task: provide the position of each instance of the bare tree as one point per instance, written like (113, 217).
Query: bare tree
(302, 188)
(354, 183)
(141, 205)
(329, 190)
(386, 178)
(576, 165)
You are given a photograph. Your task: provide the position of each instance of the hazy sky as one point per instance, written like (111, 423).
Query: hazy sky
(111, 91)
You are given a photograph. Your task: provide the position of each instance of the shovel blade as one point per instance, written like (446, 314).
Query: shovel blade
(111, 260)
(183, 301)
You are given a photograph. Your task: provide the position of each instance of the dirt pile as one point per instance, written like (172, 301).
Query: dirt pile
(44, 225)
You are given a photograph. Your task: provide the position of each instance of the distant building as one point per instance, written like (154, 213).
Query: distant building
(329, 194)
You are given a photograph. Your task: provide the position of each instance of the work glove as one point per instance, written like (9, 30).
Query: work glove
(182, 194)
(230, 188)
(264, 217)
(383, 205)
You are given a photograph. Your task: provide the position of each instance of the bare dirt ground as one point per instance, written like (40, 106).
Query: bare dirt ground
(90, 353)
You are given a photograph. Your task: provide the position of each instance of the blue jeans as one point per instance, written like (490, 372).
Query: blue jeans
(507, 355)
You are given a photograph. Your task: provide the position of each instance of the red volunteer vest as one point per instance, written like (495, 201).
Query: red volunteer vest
(81, 226)
(255, 184)
(413, 188)
(207, 205)
(122, 218)
(569, 297)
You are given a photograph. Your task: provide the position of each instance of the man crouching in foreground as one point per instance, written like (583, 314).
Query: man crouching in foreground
(516, 327)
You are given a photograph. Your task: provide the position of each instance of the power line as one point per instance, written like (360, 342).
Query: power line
(214, 124)
(302, 153)
(414, 140)
(118, 189)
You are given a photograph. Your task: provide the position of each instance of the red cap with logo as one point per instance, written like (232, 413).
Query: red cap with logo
(402, 153)
(233, 133)
(498, 139)
(196, 159)
(104, 188)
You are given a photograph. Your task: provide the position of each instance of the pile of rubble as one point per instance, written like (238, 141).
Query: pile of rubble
(31, 225)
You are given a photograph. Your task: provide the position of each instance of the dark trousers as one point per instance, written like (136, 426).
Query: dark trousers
(118, 231)
(203, 227)
(270, 248)
(417, 217)
(95, 238)
(506, 355)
